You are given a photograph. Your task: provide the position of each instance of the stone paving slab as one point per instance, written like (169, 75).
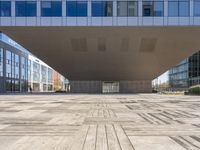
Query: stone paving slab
(99, 122)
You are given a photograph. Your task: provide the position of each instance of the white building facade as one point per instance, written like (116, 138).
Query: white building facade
(40, 75)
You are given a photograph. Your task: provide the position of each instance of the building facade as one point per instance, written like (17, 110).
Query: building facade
(40, 75)
(20, 71)
(98, 12)
(13, 66)
(186, 73)
(60, 82)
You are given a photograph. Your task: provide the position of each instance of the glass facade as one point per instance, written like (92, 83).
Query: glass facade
(36, 72)
(187, 73)
(51, 8)
(25, 8)
(20, 71)
(44, 73)
(102, 8)
(5, 8)
(153, 8)
(196, 7)
(179, 8)
(178, 76)
(15, 70)
(1, 62)
(176, 8)
(127, 8)
(76, 8)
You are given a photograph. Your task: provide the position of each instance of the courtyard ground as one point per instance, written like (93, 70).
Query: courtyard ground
(99, 122)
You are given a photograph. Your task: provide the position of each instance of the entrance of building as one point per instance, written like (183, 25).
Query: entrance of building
(110, 87)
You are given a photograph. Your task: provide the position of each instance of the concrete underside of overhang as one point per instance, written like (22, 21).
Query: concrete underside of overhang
(108, 53)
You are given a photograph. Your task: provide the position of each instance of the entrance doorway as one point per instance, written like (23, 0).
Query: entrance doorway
(110, 87)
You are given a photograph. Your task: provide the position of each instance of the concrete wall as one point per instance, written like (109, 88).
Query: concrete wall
(124, 87)
(86, 86)
(135, 86)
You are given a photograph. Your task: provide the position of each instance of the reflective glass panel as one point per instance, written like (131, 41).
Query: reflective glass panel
(5, 8)
(76, 8)
(122, 8)
(51, 8)
(81, 8)
(197, 8)
(173, 8)
(71, 8)
(102, 8)
(132, 8)
(25, 8)
(184, 8)
(148, 8)
(158, 9)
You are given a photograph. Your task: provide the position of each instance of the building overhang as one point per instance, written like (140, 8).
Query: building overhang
(108, 53)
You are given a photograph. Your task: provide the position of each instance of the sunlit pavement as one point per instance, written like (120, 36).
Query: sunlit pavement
(99, 122)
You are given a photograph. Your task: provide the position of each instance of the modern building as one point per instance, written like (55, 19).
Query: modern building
(60, 82)
(40, 75)
(20, 70)
(13, 66)
(99, 43)
(186, 73)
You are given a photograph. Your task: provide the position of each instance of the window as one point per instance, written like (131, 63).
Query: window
(158, 9)
(178, 8)
(1, 62)
(76, 8)
(16, 66)
(50, 75)
(36, 72)
(25, 8)
(197, 8)
(51, 8)
(153, 8)
(5, 8)
(44, 73)
(127, 8)
(8, 64)
(132, 8)
(102, 8)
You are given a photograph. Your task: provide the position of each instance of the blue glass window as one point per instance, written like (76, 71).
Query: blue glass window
(25, 8)
(158, 9)
(153, 8)
(127, 8)
(179, 8)
(76, 8)
(184, 10)
(81, 8)
(51, 8)
(197, 8)
(173, 9)
(5, 8)
(71, 8)
(102, 8)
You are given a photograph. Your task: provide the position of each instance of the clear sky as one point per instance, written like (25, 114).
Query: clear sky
(163, 78)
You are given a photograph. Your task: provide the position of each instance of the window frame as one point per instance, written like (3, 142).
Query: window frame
(26, 8)
(179, 1)
(42, 14)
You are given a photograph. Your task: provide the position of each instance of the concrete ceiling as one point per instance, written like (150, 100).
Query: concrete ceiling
(109, 53)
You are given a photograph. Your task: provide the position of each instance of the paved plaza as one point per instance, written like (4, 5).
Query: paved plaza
(99, 122)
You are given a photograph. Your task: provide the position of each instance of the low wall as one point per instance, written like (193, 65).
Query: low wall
(135, 86)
